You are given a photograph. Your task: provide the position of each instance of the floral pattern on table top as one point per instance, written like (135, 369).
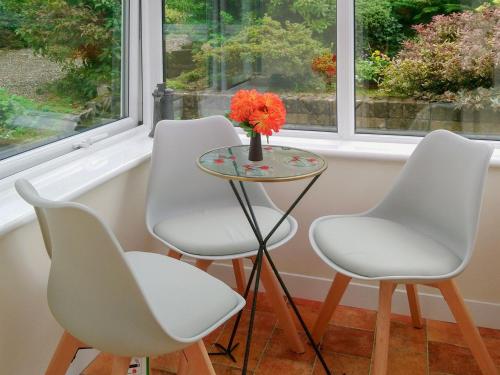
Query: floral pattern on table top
(218, 158)
(279, 162)
(255, 170)
(302, 161)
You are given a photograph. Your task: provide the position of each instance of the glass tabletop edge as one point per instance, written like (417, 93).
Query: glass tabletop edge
(260, 179)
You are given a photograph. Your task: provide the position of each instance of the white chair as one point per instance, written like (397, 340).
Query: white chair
(422, 232)
(123, 303)
(197, 215)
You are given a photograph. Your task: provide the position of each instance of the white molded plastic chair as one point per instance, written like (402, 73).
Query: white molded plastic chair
(422, 232)
(123, 303)
(197, 215)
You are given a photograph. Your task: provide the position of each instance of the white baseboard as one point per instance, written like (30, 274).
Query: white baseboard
(485, 314)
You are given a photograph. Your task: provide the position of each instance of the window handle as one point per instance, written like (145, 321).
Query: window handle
(87, 142)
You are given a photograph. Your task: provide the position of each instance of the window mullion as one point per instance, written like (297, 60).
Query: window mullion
(152, 53)
(345, 69)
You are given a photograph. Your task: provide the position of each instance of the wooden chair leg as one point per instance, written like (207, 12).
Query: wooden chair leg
(239, 274)
(203, 264)
(383, 329)
(182, 367)
(273, 292)
(120, 365)
(198, 361)
(471, 334)
(174, 254)
(64, 354)
(339, 285)
(416, 314)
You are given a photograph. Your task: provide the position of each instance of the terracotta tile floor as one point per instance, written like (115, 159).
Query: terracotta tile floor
(347, 346)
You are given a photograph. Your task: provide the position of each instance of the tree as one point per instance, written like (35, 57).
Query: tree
(83, 36)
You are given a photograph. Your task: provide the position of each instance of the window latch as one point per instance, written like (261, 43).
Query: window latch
(87, 142)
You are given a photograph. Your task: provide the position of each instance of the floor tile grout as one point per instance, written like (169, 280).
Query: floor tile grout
(353, 324)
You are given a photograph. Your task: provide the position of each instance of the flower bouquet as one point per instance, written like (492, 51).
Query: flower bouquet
(258, 114)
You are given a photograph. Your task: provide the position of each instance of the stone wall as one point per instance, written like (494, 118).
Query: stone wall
(418, 116)
(307, 110)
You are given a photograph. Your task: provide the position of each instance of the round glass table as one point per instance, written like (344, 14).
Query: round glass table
(279, 164)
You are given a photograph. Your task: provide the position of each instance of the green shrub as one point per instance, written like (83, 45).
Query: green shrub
(10, 106)
(455, 52)
(193, 80)
(186, 11)
(318, 15)
(9, 22)
(376, 27)
(413, 12)
(371, 69)
(285, 50)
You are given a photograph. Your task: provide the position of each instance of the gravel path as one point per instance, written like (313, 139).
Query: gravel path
(21, 72)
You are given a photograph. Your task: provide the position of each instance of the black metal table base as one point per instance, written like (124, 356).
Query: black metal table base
(255, 278)
(225, 351)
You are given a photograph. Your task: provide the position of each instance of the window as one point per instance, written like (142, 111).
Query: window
(423, 65)
(63, 69)
(215, 47)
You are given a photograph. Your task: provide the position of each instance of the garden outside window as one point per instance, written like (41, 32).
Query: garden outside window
(423, 65)
(64, 70)
(404, 67)
(217, 47)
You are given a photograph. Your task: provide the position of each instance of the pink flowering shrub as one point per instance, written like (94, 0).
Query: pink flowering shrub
(451, 54)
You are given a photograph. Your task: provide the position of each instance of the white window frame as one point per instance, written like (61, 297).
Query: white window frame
(346, 92)
(133, 103)
(346, 96)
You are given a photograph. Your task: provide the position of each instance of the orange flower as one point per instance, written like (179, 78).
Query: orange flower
(270, 117)
(261, 113)
(326, 66)
(243, 104)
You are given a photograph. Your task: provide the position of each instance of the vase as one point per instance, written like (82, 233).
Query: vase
(255, 151)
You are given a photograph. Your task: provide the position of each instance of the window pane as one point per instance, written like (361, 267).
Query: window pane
(60, 70)
(423, 65)
(216, 47)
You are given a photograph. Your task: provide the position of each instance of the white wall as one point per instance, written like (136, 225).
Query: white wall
(28, 333)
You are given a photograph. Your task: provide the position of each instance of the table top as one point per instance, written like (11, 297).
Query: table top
(280, 164)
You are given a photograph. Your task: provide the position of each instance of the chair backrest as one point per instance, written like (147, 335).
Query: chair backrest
(177, 185)
(92, 292)
(440, 189)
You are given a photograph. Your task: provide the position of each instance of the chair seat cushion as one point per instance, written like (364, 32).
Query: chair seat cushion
(220, 231)
(186, 301)
(374, 247)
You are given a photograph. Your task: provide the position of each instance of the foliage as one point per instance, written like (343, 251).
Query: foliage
(16, 105)
(21, 135)
(173, 16)
(192, 80)
(318, 15)
(477, 99)
(9, 22)
(326, 66)
(10, 106)
(372, 69)
(186, 11)
(457, 52)
(283, 49)
(83, 36)
(376, 27)
(413, 12)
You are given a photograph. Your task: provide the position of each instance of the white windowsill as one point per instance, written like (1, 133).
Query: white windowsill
(71, 175)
